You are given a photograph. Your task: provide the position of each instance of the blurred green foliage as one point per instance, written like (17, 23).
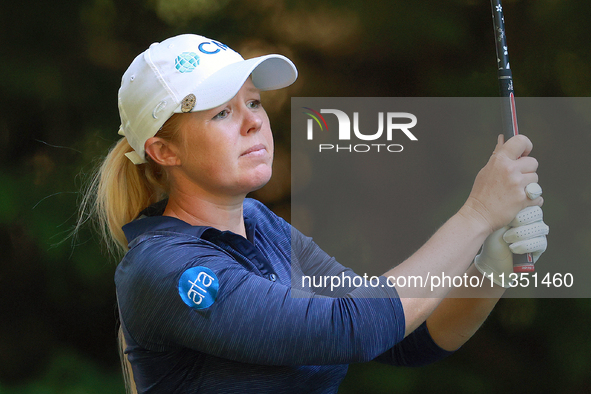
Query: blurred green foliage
(61, 66)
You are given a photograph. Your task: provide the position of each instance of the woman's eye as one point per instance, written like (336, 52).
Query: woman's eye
(222, 114)
(254, 104)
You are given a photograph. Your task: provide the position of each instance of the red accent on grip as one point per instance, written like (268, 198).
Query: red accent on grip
(513, 114)
(523, 268)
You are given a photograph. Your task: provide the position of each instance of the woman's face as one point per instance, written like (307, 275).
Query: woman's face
(227, 150)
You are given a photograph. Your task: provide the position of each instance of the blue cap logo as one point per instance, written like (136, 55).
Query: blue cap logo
(186, 62)
(198, 287)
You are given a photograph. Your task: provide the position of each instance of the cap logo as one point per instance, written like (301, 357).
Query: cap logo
(215, 44)
(186, 62)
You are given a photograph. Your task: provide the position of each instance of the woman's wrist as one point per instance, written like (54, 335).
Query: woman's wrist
(472, 213)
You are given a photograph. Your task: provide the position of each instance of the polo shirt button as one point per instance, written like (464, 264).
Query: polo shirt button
(273, 277)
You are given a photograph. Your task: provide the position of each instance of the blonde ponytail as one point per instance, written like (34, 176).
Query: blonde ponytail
(119, 190)
(128, 379)
(115, 194)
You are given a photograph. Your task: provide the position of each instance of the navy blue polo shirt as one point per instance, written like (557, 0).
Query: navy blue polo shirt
(209, 311)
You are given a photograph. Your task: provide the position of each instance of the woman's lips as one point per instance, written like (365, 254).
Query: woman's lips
(256, 150)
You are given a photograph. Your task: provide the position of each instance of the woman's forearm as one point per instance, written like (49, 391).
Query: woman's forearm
(449, 252)
(462, 312)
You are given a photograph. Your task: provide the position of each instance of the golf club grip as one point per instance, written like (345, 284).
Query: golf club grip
(521, 262)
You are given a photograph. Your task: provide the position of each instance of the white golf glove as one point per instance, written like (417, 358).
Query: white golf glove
(525, 234)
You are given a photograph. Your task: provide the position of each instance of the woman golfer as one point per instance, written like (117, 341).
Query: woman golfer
(205, 291)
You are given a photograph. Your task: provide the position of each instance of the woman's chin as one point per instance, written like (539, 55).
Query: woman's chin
(262, 177)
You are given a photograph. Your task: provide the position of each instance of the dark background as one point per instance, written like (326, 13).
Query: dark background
(60, 70)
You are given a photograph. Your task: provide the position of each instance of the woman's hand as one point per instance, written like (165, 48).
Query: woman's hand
(498, 193)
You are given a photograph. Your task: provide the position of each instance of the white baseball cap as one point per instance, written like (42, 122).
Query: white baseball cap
(188, 73)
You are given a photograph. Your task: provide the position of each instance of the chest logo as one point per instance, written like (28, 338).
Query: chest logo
(198, 287)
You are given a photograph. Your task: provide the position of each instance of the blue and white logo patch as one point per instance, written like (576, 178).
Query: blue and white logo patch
(198, 287)
(186, 62)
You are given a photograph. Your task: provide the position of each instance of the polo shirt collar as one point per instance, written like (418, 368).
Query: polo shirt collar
(151, 219)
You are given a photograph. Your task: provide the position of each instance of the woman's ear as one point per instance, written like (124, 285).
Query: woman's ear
(162, 152)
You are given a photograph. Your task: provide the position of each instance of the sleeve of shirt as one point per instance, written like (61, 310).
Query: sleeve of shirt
(252, 319)
(316, 264)
(417, 349)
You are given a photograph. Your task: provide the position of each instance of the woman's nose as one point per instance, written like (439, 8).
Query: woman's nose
(252, 122)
